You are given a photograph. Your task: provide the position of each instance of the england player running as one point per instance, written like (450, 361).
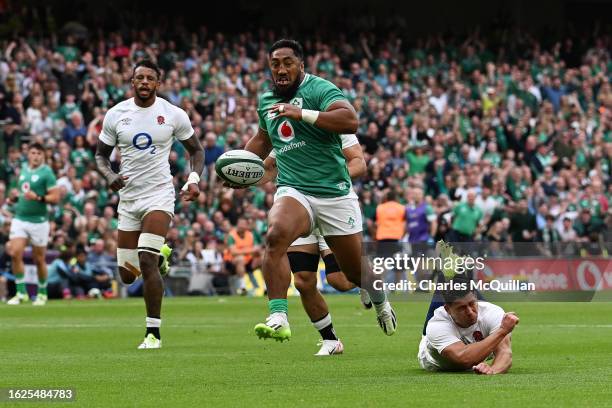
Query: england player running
(37, 188)
(464, 333)
(302, 119)
(304, 256)
(143, 128)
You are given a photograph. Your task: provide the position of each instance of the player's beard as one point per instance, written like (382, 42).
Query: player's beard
(146, 99)
(286, 92)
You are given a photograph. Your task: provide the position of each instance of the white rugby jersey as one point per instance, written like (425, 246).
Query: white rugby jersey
(144, 137)
(442, 331)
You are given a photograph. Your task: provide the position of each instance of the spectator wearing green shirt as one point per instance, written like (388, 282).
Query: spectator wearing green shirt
(417, 159)
(466, 219)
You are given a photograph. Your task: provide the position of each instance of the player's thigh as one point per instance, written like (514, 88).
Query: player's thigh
(127, 239)
(18, 238)
(16, 246)
(288, 220)
(156, 222)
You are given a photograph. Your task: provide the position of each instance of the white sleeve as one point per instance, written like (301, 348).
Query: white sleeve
(441, 335)
(108, 135)
(348, 141)
(182, 127)
(492, 317)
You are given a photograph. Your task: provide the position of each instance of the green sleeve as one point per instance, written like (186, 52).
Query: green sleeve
(327, 94)
(256, 238)
(230, 240)
(260, 115)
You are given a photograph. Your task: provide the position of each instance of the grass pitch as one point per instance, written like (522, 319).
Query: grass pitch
(211, 357)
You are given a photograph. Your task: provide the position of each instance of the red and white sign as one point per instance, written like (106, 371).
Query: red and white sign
(552, 274)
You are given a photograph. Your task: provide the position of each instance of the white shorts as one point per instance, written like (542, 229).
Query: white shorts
(131, 212)
(36, 232)
(332, 216)
(424, 360)
(314, 238)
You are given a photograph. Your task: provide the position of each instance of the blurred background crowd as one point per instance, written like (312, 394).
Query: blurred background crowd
(497, 135)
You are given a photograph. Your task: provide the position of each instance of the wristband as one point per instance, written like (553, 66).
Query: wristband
(310, 116)
(192, 179)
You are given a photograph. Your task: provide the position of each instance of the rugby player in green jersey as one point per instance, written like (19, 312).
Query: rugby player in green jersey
(37, 188)
(302, 119)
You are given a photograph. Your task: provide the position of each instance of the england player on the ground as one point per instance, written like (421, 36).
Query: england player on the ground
(302, 119)
(304, 256)
(143, 128)
(464, 333)
(37, 188)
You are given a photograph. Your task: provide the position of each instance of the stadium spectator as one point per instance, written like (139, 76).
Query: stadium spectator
(466, 220)
(242, 254)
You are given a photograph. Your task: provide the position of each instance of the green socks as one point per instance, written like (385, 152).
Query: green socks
(20, 284)
(278, 306)
(42, 287)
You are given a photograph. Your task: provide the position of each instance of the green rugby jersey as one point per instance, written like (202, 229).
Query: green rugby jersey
(308, 158)
(39, 180)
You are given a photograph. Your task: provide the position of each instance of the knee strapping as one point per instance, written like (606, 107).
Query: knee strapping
(128, 259)
(150, 243)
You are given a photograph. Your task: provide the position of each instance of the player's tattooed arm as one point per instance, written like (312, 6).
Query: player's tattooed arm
(196, 154)
(191, 190)
(260, 144)
(115, 181)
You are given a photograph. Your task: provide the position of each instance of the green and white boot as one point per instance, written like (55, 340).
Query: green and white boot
(18, 299)
(150, 342)
(276, 327)
(40, 300)
(164, 266)
(445, 251)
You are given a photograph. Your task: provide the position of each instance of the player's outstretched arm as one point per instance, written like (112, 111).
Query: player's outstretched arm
(472, 355)
(260, 144)
(503, 356)
(191, 189)
(115, 181)
(340, 117)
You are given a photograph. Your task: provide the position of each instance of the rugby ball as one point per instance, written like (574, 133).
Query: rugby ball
(240, 167)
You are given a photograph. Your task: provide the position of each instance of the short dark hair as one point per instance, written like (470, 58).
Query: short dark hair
(285, 43)
(37, 146)
(460, 287)
(147, 64)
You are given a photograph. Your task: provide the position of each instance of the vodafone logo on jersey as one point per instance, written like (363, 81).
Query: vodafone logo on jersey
(285, 132)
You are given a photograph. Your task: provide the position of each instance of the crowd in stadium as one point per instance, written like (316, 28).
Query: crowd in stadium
(513, 134)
